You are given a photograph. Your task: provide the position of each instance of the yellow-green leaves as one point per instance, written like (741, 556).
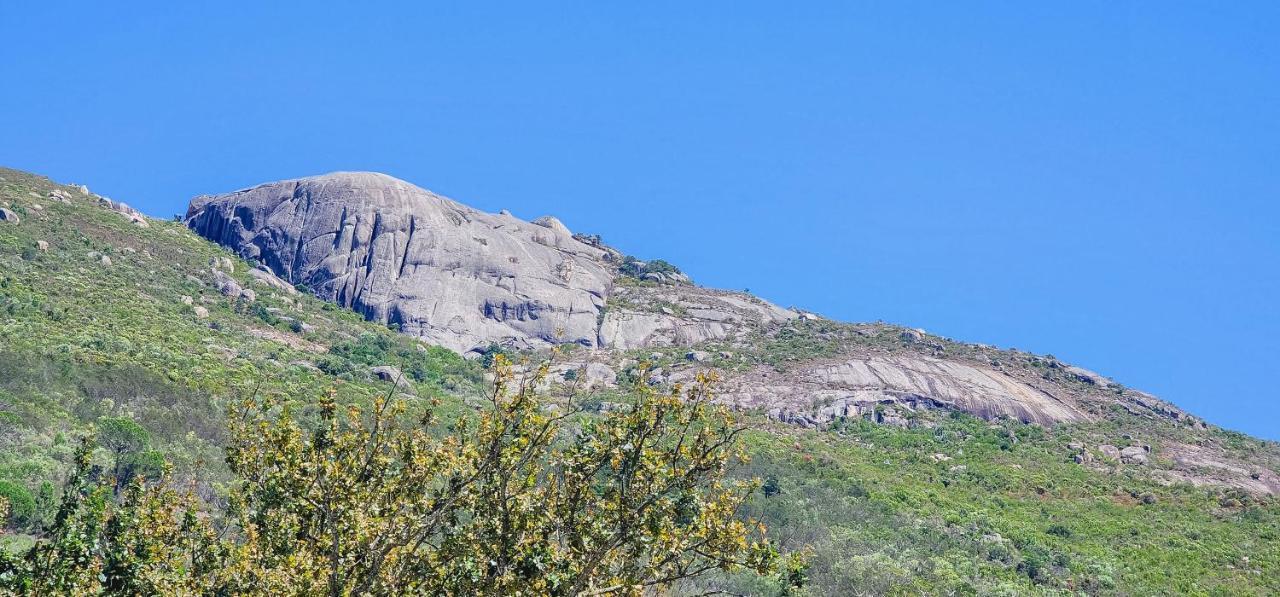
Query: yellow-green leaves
(524, 497)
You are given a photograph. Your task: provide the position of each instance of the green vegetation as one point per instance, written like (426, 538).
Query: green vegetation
(655, 270)
(882, 515)
(146, 351)
(517, 500)
(114, 349)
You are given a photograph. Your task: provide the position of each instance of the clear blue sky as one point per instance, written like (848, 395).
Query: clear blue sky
(1098, 181)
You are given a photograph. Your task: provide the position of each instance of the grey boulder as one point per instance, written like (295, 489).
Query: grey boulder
(401, 255)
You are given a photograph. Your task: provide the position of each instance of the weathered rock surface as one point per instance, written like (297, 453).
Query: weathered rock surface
(395, 376)
(462, 278)
(399, 254)
(699, 315)
(854, 387)
(1134, 455)
(8, 216)
(263, 276)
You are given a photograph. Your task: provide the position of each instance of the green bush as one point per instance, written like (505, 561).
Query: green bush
(22, 505)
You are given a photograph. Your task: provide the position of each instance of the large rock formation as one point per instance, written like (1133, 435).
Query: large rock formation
(855, 387)
(684, 316)
(462, 278)
(399, 254)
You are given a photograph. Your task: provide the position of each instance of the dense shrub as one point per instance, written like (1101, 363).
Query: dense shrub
(22, 505)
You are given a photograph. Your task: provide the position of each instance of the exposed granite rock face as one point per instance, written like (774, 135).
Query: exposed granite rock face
(443, 271)
(263, 276)
(462, 278)
(683, 316)
(855, 387)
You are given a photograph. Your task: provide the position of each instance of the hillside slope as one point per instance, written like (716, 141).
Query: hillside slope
(908, 497)
(445, 272)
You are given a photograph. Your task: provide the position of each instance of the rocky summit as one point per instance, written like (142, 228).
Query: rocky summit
(904, 460)
(465, 279)
(456, 276)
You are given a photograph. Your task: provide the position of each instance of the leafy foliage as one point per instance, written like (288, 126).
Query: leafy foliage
(1009, 514)
(364, 503)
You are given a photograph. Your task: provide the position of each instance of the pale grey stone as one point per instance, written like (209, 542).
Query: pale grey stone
(1134, 455)
(399, 254)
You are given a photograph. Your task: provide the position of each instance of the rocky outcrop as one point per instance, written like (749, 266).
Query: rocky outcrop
(462, 278)
(863, 386)
(9, 216)
(640, 317)
(443, 271)
(263, 276)
(1134, 455)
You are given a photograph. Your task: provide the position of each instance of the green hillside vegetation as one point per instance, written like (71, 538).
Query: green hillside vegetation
(965, 507)
(95, 329)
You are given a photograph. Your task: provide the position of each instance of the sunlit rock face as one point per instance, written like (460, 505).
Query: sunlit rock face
(462, 278)
(854, 387)
(402, 255)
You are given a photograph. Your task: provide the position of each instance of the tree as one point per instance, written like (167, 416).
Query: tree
(151, 542)
(21, 505)
(521, 497)
(525, 496)
(124, 438)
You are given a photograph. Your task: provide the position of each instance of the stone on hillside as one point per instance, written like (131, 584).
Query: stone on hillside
(892, 420)
(266, 278)
(1109, 451)
(1134, 455)
(224, 263)
(554, 224)
(1083, 458)
(248, 294)
(43, 245)
(857, 385)
(37, 207)
(186, 300)
(445, 272)
(1087, 376)
(8, 216)
(912, 336)
(696, 356)
(387, 373)
(393, 375)
(84, 190)
(105, 260)
(200, 311)
(599, 374)
(225, 284)
(666, 277)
